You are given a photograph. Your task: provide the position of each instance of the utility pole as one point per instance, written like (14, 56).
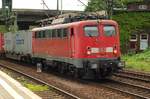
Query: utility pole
(58, 7)
(61, 7)
(59, 11)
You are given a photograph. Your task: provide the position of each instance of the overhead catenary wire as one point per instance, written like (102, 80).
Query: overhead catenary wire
(82, 3)
(83, 14)
(44, 4)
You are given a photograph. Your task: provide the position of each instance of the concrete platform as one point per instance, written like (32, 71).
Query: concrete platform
(12, 89)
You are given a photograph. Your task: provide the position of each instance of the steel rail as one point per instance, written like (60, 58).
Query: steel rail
(133, 75)
(138, 86)
(67, 94)
(136, 73)
(129, 92)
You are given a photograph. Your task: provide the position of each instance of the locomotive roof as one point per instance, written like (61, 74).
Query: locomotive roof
(69, 24)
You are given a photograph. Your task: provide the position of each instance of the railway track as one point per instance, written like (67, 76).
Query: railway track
(61, 92)
(145, 77)
(133, 83)
(124, 87)
(137, 91)
(83, 89)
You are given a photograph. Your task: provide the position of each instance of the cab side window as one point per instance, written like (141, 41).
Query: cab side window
(59, 33)
(49, 33)
(54, 35)
(43, 34)
(65, 32)
(37, 34)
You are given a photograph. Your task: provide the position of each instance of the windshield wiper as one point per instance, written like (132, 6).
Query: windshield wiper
(90, 35)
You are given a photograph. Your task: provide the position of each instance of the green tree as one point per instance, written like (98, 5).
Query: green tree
(129, 1)
(97, 5)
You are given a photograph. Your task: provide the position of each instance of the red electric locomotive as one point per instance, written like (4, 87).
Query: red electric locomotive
(89, 48)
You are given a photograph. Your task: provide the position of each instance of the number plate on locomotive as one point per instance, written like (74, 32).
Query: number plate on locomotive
(94, 50)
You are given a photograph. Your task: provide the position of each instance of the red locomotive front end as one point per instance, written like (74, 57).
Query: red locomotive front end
(88, 48)
(97, 47)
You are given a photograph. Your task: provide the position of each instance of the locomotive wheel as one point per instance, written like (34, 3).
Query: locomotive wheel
(78, 73)
(28, 59)
(33, 61)
(62, 70)
(45, 67)
(60, 67)
(22, 59)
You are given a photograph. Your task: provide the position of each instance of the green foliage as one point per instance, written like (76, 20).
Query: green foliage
(139, 61)
(37, 87)
(97, 5)
(3, 28)
(32, 86)
(130, 22)
(130, 1)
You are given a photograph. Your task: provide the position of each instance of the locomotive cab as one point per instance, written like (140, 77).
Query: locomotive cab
(97, 47)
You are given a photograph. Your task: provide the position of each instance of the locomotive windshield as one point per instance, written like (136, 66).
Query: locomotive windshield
(91, 31)
(109, 30)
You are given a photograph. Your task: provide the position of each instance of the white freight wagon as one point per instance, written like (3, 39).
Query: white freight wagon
(18, 45)
(8, 42)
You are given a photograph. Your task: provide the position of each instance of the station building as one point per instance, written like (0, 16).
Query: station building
(140, 39)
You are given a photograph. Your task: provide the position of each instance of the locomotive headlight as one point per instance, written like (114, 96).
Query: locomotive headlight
(115, 51)
(92, 50)
(88, 52)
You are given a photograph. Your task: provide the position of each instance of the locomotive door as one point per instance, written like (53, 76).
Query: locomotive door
(143, 41)
(71, 43)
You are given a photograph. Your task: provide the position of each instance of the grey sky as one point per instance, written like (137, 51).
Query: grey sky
(37, 4)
